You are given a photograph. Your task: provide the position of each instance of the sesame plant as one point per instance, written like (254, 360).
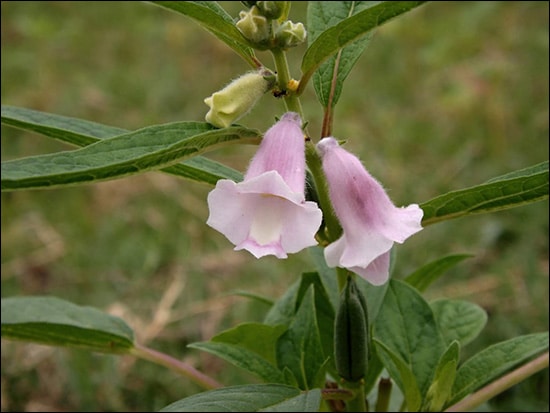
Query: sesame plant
(347, 335)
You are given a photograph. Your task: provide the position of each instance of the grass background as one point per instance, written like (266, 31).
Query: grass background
(445, 97)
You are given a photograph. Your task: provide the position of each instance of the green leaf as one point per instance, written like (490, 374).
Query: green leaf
(55, 322)
(494, 361)
(257, 297)
(324, 310)
(374, 369)
(300, 348)
(507, 191)
(329, 77)
(348, 31)
(211, 16)
(459, 320)
(309, 401)
(444, 377)
(406, 325)
(250, 346)
(75, 131)
(146, 149)
(327, 275)
(427, 274)
(204, 170)
(242, 358)
(249, 398)
(83, 132)
(406, 377)
(257, 337)
(284, 310)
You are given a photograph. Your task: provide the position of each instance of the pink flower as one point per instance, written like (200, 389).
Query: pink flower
(267, 212)
(370, 221)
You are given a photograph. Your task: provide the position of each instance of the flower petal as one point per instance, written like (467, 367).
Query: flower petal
(370, 221)
(377, 272)
(282, 150)
(263, 215)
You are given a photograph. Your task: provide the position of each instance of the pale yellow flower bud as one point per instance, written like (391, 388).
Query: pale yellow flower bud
(254, 26)
(290, 34)
(237, 98)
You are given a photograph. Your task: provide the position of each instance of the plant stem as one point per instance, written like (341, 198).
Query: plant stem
(384, 391)
(314, 164)
(292, 102)
(503, 383)
(178, 366)
(336, 394)
(358, 403)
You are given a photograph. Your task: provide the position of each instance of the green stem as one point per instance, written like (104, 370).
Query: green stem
(498, 386)
(292, 102)
(314, 163)
(185, 369)
(359, 402)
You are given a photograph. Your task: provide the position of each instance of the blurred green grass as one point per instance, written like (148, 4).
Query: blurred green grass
(445, 97)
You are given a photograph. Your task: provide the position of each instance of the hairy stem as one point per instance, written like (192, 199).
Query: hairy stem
(292, 102)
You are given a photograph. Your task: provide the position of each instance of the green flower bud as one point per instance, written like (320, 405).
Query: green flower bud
(254, 26)
(237, 98)
(351, 334)
(290, 34)
(274, 9)
(249, 3)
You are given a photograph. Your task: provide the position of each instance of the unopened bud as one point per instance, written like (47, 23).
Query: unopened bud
(254, 26)
(290, 34)
(237, 98)
(274, 9)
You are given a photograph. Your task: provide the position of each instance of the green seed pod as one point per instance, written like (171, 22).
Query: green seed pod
(351, 334)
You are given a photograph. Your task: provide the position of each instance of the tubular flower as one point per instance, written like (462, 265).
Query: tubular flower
(370, 221)
(267, 213)
(237, 98)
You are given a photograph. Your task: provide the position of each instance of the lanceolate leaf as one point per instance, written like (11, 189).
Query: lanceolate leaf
(257, 337)
(348, 31)
(494, 361)
(329, 77)
(215, 19)
(83, 132)
(146, 149)
(406, 376)
(427, 274)
(56, 322)
(242, 358)
(75, 131)
(250, 398)
(444, 377)
(507, 191)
